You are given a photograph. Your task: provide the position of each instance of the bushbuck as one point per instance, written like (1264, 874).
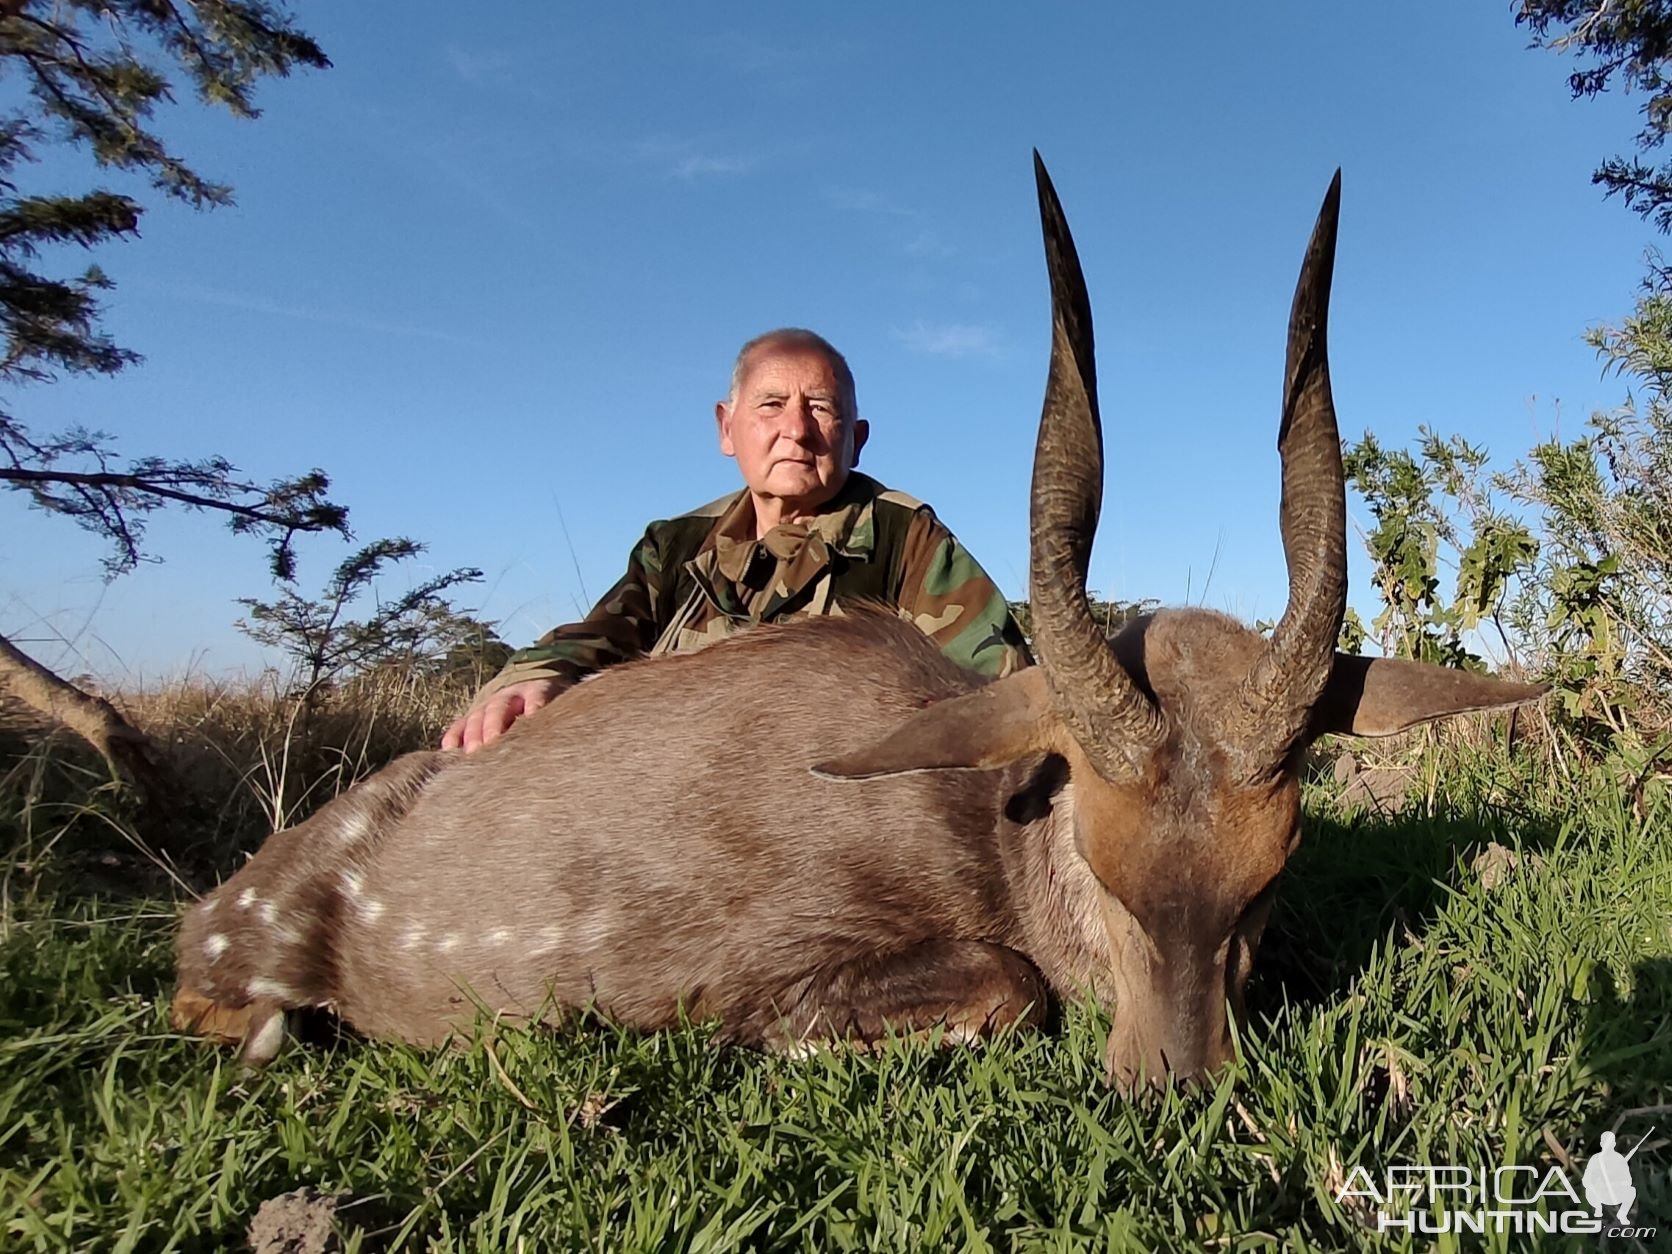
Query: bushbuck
(826, 830)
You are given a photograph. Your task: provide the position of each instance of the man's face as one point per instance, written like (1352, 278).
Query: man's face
(787, 429)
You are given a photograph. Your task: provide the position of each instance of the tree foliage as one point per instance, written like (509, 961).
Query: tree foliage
(326, 642)
(1629, 43)
(1598, 608)
(1430, 505)
(89, 76)
(1603, 604)
(1567, 556)
(95, 73)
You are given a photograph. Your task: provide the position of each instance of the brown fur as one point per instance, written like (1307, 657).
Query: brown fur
(617, 851)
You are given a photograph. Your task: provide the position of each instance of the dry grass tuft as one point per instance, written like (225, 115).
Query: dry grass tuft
(251, 759)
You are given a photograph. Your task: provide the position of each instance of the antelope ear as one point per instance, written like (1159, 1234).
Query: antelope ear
(991, 727)
(1378, 696)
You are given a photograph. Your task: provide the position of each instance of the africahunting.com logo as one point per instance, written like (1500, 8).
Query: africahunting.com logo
(1437, 1200)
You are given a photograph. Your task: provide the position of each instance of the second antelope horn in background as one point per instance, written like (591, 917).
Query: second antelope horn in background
(1114, 722)
(1287, 680)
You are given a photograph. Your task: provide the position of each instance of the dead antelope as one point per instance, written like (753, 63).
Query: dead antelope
(827, 830)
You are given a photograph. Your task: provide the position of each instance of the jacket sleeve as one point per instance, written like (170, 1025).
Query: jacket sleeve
(624, 624)
(944, 591)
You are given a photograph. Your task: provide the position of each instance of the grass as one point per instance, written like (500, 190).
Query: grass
(1403, 1012)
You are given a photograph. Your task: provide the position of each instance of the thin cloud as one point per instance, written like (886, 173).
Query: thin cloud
(479, 67)
(330, 317)
(457, 160)
(464, 166)
(512, 72)
(783, 64)
(686, 159)
(910, 230)
(950, 339)
(861, 200)
(699, 164)
(927, 243)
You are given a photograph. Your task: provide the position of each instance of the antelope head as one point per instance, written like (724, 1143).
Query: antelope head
(1182, 736)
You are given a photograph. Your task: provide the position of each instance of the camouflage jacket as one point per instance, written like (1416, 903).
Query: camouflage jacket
(697, 578)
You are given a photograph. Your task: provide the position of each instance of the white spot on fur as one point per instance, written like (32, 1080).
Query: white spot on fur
(413, 936)
(499, 936)
(261, 1048)
(551, 936)
(592, 930)
(354, 829)
(352, 882)
(273, 990)
(287, 935)
(269, 913)
(448, 943)
(214, 946)
(371, 910)
(246, 899)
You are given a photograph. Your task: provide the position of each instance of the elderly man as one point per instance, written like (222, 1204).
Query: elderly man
(805, 535)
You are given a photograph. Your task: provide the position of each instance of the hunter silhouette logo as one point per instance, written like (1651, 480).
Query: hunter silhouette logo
(1514, 1198)
(1608, 1178)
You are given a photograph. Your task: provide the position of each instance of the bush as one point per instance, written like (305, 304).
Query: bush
(1566, 558)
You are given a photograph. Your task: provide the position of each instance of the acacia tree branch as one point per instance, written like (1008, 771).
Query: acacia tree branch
(1629, 183)
(145, 148)
(96, 78)
(1580, 33)
(138, 483)
(190, 36)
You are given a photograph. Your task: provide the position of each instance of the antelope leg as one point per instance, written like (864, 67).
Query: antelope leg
(258, 1027)
(969, 988)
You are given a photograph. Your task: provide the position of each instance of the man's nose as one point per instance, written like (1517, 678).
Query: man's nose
(799, 420)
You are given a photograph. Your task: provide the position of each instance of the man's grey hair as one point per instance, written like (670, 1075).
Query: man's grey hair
(794, 338)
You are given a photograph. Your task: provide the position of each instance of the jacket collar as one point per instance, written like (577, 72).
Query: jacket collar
(845, 525)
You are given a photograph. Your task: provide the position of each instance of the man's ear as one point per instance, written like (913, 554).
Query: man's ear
(1378, 696)
(861, 433)
(722, 424)
(991, 727)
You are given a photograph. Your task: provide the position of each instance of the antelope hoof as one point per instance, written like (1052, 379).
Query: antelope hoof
(258, 1026)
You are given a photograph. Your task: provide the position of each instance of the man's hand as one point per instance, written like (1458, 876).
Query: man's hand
(486, 722)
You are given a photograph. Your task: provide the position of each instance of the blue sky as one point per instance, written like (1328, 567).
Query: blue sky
(490, 272)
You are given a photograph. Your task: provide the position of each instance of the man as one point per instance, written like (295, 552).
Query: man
(1608, 1178)
(805, 535)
